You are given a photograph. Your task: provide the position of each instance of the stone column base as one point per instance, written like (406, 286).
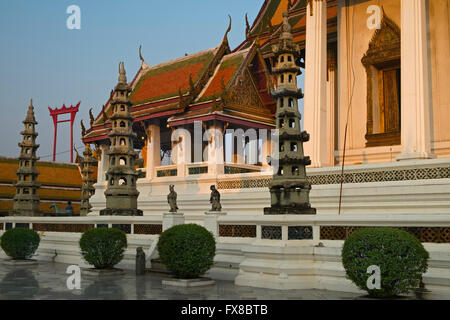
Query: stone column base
(171, 219)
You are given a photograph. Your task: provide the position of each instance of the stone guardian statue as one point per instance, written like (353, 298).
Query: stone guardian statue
(215, 199)
(172, 199)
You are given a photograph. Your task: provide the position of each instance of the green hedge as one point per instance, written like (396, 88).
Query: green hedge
(401, 257)
(103, 247)
(20, 243)
(187, 250)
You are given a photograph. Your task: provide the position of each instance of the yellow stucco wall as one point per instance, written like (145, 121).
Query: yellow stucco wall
(354, 37)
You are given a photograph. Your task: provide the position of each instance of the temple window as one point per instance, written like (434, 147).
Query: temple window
(122, 182)
(291, 102)
(122, 108)
(122, 124)
(280, 171)
(290, 78)
(26, 191)
(295, 171)
(111, 182)
(281, 59)
(122, 161)
(291, 123)
(294, 146)
(113, 162)
(281, 147)
(382, 64)
(281, 123)
(123, 142)
(289, 58)
(282, 78)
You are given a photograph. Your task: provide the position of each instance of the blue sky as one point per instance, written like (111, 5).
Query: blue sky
(41, 59)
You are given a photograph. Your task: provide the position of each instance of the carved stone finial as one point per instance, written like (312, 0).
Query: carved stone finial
(122, 73)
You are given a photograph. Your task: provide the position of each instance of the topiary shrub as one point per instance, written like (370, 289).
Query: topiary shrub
(187, 250)
(20, 243)
(401, 257)
(103, 247)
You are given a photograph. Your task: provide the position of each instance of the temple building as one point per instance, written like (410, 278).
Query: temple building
(375, 100)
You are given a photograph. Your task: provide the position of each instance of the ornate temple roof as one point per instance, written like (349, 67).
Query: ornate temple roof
(196, 85)
(268, 22)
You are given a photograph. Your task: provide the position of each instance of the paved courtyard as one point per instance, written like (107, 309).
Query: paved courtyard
(47, 280)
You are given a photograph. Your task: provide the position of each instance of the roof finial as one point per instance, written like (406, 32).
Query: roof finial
(144, 64)
(247, 26)
(289, 5)
(228, 30)
(122, 74)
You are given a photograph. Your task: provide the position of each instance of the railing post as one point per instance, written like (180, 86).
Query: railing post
(211, 222)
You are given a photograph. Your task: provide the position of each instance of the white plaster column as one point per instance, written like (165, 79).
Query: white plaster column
(266, 146)
(315, 107)
(103, 165)
(214, 136)
(153, 148)
(415, 97)
(331, 104)
(181, 150)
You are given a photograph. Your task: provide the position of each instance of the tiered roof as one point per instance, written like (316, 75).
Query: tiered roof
(189, 85)
(268, 22)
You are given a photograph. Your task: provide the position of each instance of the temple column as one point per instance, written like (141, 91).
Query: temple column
(181, 150)
(315, 108)
(331, 104)
(266, 147)
(103, 164)
(214, 136)
(415, 84)
(153, 148)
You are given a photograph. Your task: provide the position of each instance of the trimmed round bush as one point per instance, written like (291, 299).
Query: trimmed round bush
(401, 257)
(20, 243)
(187, 250)
(103, 247)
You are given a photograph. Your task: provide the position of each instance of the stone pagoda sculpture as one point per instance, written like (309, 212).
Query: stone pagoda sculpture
(289, 188)
(87, 186)
(26, 200)
(121, 193)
